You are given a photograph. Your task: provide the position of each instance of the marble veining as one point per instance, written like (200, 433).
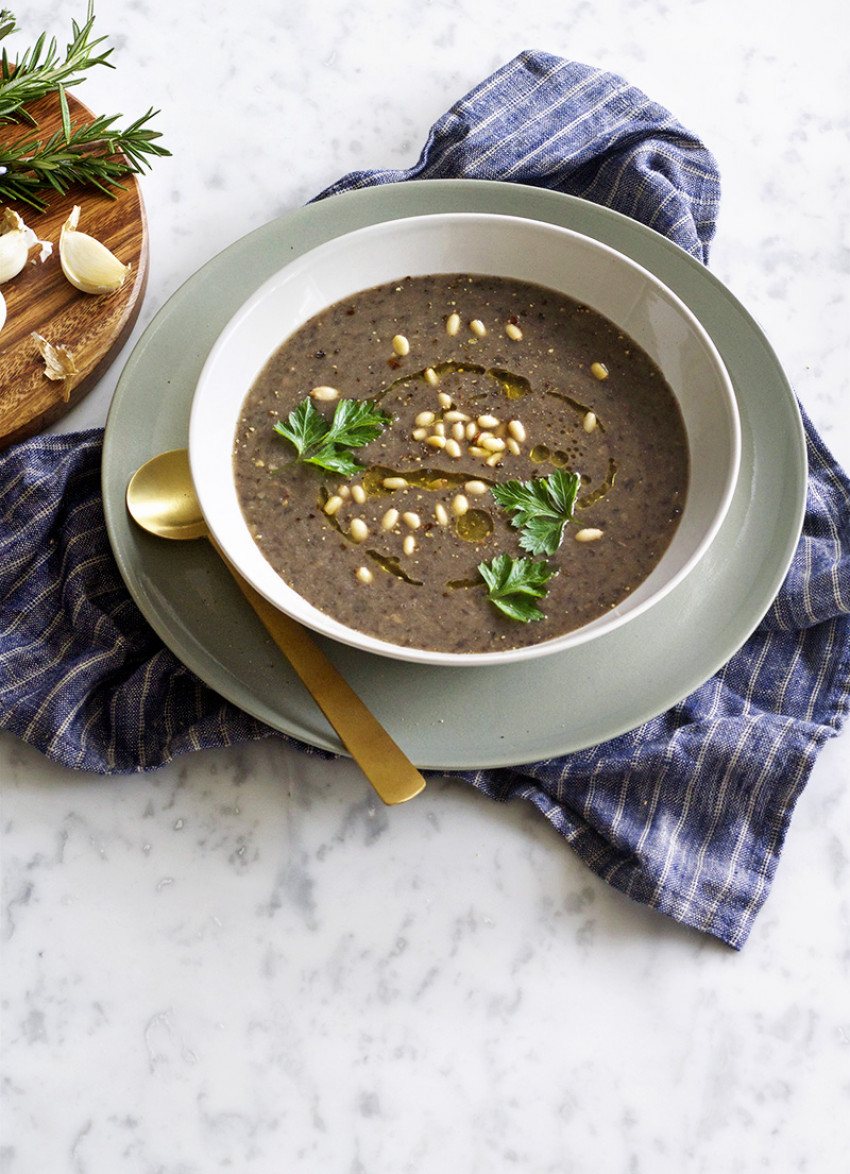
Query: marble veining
(243, 961)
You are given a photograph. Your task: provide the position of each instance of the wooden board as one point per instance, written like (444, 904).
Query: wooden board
(41, 299)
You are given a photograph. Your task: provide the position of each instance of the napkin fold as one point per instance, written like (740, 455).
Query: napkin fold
(686, 814)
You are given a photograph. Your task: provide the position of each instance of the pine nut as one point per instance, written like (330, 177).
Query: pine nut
(488, 421)
(344, 491)
(513, 331)
(453, 324)
(444, 400)
(424, 419)
(389, 519)
(459, 430)
(364, 575)
(588, 534)
(471, 430)
(333, 504)
(517, 430)
(492, 443)
(513, 446)
(431, 376)
(599, 370)
(436, 441)
(441, 514)
(324, 393)
(358, 530)
(494, 459)
(460, 505)
(475, 451)
(412, 520)
(394, 483)
(476, 487)
(409, 544)
(439, 428)
(419, 433)
(478, 327)
(589, 422)
(453, 449)
(401, 346)
(358, 493)
(455, 417)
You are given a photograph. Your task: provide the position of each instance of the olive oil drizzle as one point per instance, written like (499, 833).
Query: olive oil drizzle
(392, 565)
(599, 492)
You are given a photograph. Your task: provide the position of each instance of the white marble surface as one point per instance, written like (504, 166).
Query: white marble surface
(242, 962)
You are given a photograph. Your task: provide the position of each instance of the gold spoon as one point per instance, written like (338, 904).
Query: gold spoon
(161, 499)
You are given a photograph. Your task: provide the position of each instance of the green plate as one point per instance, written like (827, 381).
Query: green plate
(463, 718)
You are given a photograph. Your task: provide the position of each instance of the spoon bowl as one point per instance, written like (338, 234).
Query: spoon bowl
(161, 499)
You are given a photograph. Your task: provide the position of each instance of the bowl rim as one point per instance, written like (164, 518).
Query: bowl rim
(333, 629)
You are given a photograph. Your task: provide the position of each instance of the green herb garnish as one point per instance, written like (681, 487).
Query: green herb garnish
(543, 508)
(514, 584)
(42, 69)
(328, 443)
(95, 154)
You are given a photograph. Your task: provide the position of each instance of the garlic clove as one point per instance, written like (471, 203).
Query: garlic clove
(14, 245)
(18, 244)
(13, 255)
(2, 311)
(86, 262)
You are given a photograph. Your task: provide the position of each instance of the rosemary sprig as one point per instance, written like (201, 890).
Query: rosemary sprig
(94, 154)
(40, 72)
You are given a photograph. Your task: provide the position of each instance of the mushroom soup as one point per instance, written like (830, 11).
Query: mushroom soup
(461, 463)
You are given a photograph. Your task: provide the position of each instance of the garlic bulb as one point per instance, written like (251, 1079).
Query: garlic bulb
(17, 244)
(86, 262)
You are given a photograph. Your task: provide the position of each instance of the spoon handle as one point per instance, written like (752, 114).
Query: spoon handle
(384, 764)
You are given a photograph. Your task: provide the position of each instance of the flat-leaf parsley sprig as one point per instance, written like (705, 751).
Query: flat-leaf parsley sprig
(513, 585)
(327, 444)
(543, 507)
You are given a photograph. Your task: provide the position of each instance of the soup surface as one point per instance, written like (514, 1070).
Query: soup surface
(498, 403)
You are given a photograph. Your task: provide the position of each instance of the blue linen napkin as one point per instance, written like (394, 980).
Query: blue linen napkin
(686, 814)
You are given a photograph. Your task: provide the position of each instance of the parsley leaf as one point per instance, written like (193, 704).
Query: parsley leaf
(543, 508)
(514, 584)
(327, 444)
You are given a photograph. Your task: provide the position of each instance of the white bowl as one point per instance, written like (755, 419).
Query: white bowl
(507, 246)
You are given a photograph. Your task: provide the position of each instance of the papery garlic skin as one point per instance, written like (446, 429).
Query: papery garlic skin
(86, 262)
(59, 362)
